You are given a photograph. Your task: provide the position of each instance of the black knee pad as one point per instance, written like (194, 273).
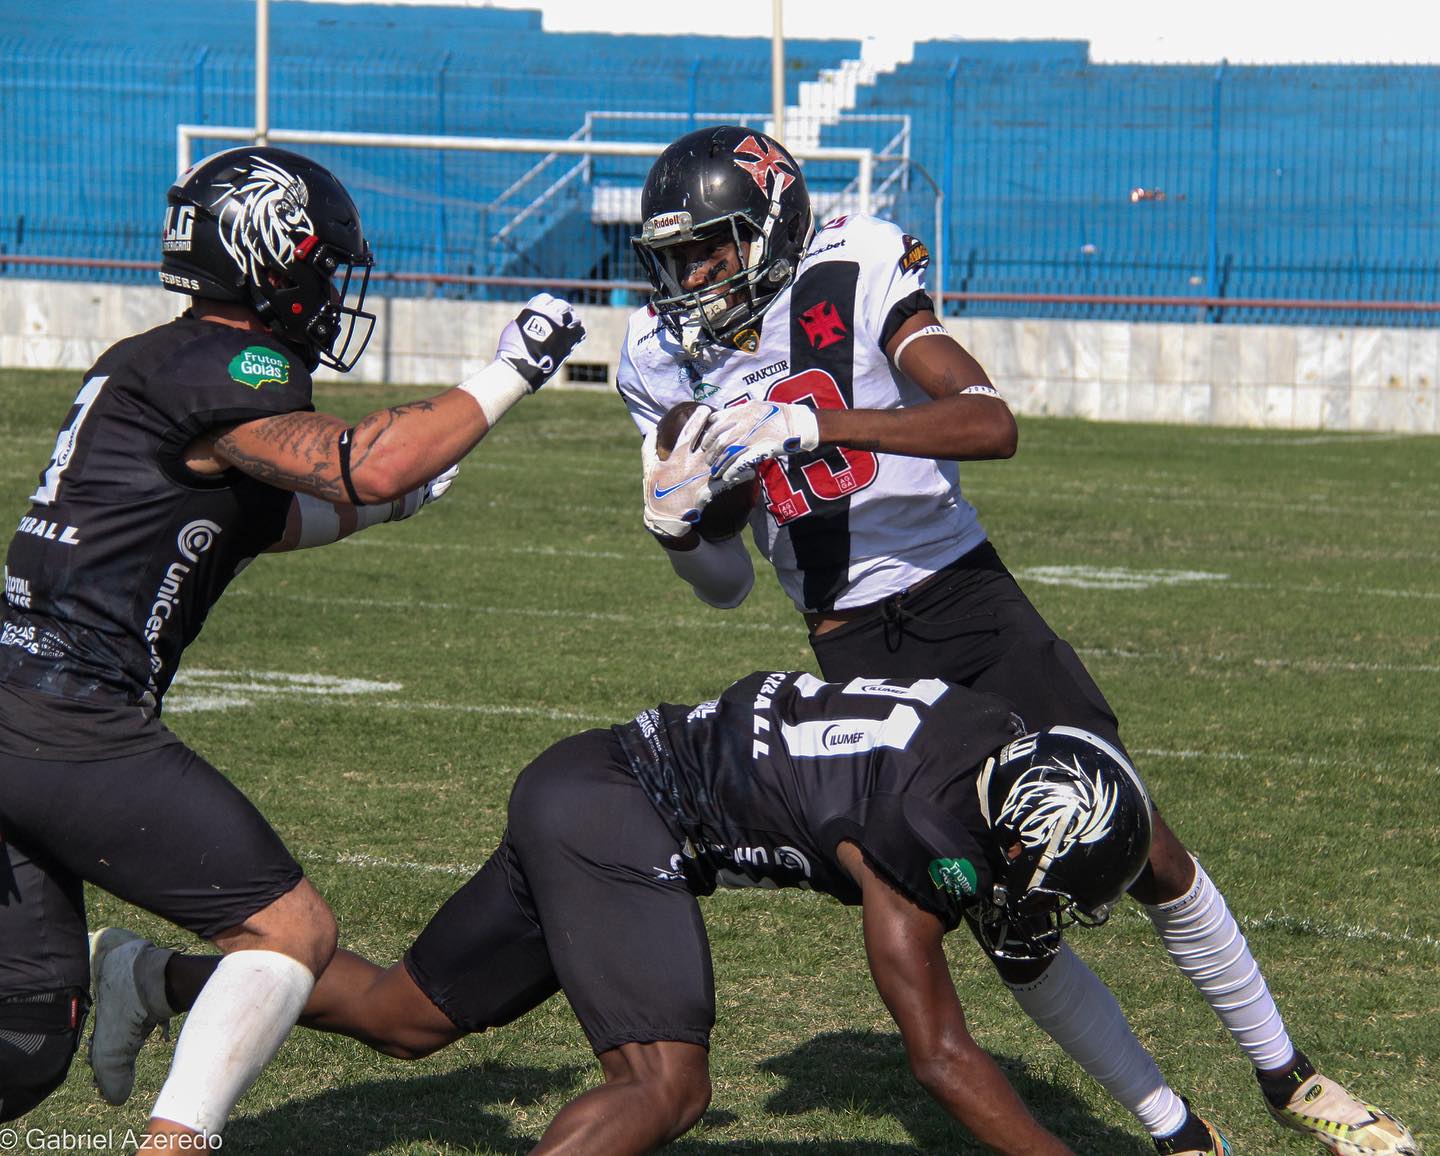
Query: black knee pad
(38, 1037)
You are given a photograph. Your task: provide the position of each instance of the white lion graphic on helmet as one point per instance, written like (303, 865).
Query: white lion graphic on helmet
(262, 218)
(1082, 810)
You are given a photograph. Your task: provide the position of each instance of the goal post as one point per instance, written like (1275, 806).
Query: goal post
(869, 190)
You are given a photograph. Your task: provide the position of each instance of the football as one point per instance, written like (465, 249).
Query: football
(728, 511)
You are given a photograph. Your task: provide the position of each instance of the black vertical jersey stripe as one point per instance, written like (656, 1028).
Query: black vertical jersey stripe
(819, 341)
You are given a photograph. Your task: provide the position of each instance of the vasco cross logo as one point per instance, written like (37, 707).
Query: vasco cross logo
(822, 325)
(256, 366)
(770, 161)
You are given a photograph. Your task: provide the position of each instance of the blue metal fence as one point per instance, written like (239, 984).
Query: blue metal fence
(1062, 178)
(1304, 183)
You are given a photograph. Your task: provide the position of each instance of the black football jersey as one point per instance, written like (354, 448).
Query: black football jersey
(123, 551)
(766, 781)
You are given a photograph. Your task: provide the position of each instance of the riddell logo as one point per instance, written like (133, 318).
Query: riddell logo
(822, 325)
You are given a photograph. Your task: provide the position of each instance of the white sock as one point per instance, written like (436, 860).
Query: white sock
(1204, 940)
(1080, 1014)
(243, 1014)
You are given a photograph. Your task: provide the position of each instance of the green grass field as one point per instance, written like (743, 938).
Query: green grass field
(1261, 608)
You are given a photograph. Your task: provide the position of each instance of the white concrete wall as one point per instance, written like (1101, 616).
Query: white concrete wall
(1276, 377)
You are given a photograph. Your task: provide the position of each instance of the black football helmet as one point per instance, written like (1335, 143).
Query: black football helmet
(1081, 817)
(273, 230)
(722, 184)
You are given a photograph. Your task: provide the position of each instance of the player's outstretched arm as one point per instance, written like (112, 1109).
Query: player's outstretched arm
(395, 451)
(313, 521)
(965, 420)
(907, 961)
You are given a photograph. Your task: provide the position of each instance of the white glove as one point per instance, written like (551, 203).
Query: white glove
(677, 487)
(411, 504)
(543, 334)
(743, 436)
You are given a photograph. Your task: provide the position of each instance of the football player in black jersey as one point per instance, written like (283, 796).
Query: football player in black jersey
(831, 377)
(190, 450)
(921, 802)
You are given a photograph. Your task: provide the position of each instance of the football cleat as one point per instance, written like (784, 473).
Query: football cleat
(123, 1021)
(1199, 1137)
(1323, 1110)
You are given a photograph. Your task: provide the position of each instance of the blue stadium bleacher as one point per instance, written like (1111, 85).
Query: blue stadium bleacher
(1281, 182)
(1060, 176)
(91, 92)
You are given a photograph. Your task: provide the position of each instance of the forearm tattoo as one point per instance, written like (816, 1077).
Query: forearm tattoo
(305, 449)
(369, 431)
(304, 455)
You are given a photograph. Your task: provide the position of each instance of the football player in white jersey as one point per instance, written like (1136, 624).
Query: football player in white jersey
(823, 368)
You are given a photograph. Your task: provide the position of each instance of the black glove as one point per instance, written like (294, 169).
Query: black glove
(543, 334)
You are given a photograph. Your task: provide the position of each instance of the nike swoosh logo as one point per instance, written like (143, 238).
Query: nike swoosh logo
(658, 494)
(730, 454)
(774, 411)
(736, 449)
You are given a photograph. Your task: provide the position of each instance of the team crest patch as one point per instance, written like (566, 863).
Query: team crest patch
(256, 366)
(916, 255)
(748, 340)
(703, 390)
(957, 876)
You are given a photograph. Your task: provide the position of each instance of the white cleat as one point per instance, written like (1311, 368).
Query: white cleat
(123, 1021)
(1323, 1110)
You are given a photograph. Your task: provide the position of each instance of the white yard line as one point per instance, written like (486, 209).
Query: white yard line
(347, 860)
(1307, 665)
(719, 620)
(393, 543)
(501, 709)
(1316, 440)
(1319, 929)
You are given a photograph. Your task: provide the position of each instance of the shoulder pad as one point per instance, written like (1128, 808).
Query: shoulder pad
(218, 354)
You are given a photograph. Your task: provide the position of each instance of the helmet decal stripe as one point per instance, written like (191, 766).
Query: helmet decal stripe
(1109, 749)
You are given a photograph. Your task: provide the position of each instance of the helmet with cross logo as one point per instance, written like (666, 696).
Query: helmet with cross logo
(712, 189)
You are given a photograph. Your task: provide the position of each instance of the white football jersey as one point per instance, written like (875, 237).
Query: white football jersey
(842, 527)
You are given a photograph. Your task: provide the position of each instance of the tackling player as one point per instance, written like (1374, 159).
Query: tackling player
(831, 376)
(922, 802)
(190, 450)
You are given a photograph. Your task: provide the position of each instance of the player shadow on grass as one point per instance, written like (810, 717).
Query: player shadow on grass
(853, 1074)
(451, 1110)
(866, 1074)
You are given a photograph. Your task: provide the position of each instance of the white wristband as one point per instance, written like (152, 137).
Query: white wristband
(496, 387)
(927, 331)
